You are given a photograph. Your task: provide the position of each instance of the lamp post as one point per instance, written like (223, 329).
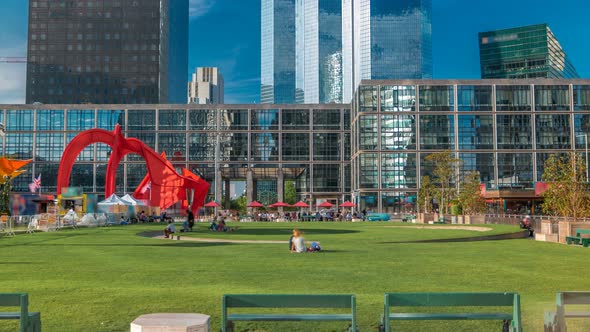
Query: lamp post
(586, 152)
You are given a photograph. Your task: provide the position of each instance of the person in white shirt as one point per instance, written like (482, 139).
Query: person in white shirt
(297, 242)
(170, 229)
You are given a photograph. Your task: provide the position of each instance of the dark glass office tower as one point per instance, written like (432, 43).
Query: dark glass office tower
(278, 53)
(119, 51)
(385, 39)
(524, 52)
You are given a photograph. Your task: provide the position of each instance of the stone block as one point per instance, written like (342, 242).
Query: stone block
(170, 322)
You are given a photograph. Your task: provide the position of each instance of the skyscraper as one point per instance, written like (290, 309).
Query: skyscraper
(523, 52)
(278, 52)
(206, 86)
(384, 39)
(319, 50)
(124, 51)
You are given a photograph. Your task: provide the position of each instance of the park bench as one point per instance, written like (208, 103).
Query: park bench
(578, 239)
(439, 221)
(287, 301)
(408, 218)
(555, 321)
(29, 321)
(511, 321)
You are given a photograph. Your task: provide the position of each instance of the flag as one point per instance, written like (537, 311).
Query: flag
(32, 187)
(37, 182)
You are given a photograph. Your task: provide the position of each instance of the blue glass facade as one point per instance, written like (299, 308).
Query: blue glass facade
(319, 50)
(278, 53)
(389, 40)
(178, 51)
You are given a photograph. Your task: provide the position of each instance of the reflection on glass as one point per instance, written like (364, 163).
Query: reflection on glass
(19, 120)
(397, 132)
(552, 131)
(295, 146)
(476, 132)
(265, 119)
(437, 132)
(326, 119)
(398, 98)
(514, 131)
(171, 119)
(265, 147)
(295, 119)
(581, 97)
(50, 120)
(326, 177)
(474, 97)
(79, 120)
(398, 170)
(326, 146)
(515, 170)
(437, 98)
(369, 171)
(202, 119)
(141, 120)
(513, 98)
(107, 119)
(552, 97)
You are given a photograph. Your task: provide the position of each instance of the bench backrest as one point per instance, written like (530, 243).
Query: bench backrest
(581, 231)
(17, 300)
(564, 298)
(449, 299)
(288, 301)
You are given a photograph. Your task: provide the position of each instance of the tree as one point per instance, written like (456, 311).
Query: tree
(445, 167)
(469, 197)
(290, 192)
(567, 191)
(425, 194)
(5, 189)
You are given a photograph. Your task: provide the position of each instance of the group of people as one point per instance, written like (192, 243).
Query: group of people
(297, 243)
(219, 225)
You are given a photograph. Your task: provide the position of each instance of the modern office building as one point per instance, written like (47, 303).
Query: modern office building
(319, 50)
(262, 145)
(372, 150)
(277, 54)
(504, 129)
(113, 52)
(384, 39)
(206, 86)
(524, 52)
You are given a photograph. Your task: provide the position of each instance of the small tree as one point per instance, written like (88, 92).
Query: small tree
(290, 192)
(5, 189)
(445, 167)
(425, 194)
(469, 197)
(567, 190)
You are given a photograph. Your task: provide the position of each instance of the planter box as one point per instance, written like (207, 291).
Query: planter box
(546, 237)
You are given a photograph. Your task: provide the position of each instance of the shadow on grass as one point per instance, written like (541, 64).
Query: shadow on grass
(168, 244)
(509, 236)
(277, 231)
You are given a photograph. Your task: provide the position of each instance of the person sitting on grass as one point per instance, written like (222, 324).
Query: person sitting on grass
(213, 226)
(170, 229)
(297, 242)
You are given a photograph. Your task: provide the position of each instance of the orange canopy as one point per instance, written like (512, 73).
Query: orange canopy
(11, 168)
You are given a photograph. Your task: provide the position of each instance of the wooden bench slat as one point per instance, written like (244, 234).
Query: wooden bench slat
(289, 317)
(450, 316)
(287, 301)
(450, 299)
(577, 314)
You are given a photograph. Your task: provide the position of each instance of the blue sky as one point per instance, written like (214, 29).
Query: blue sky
(226, 34)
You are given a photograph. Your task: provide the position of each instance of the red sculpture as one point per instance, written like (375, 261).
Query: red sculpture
(166, 185)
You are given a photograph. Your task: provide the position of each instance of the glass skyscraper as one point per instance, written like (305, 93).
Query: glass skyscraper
(278, 53)
(384, 39)
(107, 52)
(319, 50)
(524, 52)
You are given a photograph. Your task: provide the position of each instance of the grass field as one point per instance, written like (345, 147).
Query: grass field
(100, 279)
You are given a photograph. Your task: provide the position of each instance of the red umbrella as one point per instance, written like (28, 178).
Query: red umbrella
(347, 204)
(212, 204)
(300, 204)
(326, 204)
(255, 204)
(280, 204)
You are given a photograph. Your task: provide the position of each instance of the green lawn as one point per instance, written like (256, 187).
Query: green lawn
(101, 279)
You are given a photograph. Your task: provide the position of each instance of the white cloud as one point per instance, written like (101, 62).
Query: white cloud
(200, 7)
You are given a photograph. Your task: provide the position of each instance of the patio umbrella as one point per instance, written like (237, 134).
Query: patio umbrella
(212, 204)
(255, 204)
(347, 204)
(300, 204)
(326, 204)
(280, 204)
